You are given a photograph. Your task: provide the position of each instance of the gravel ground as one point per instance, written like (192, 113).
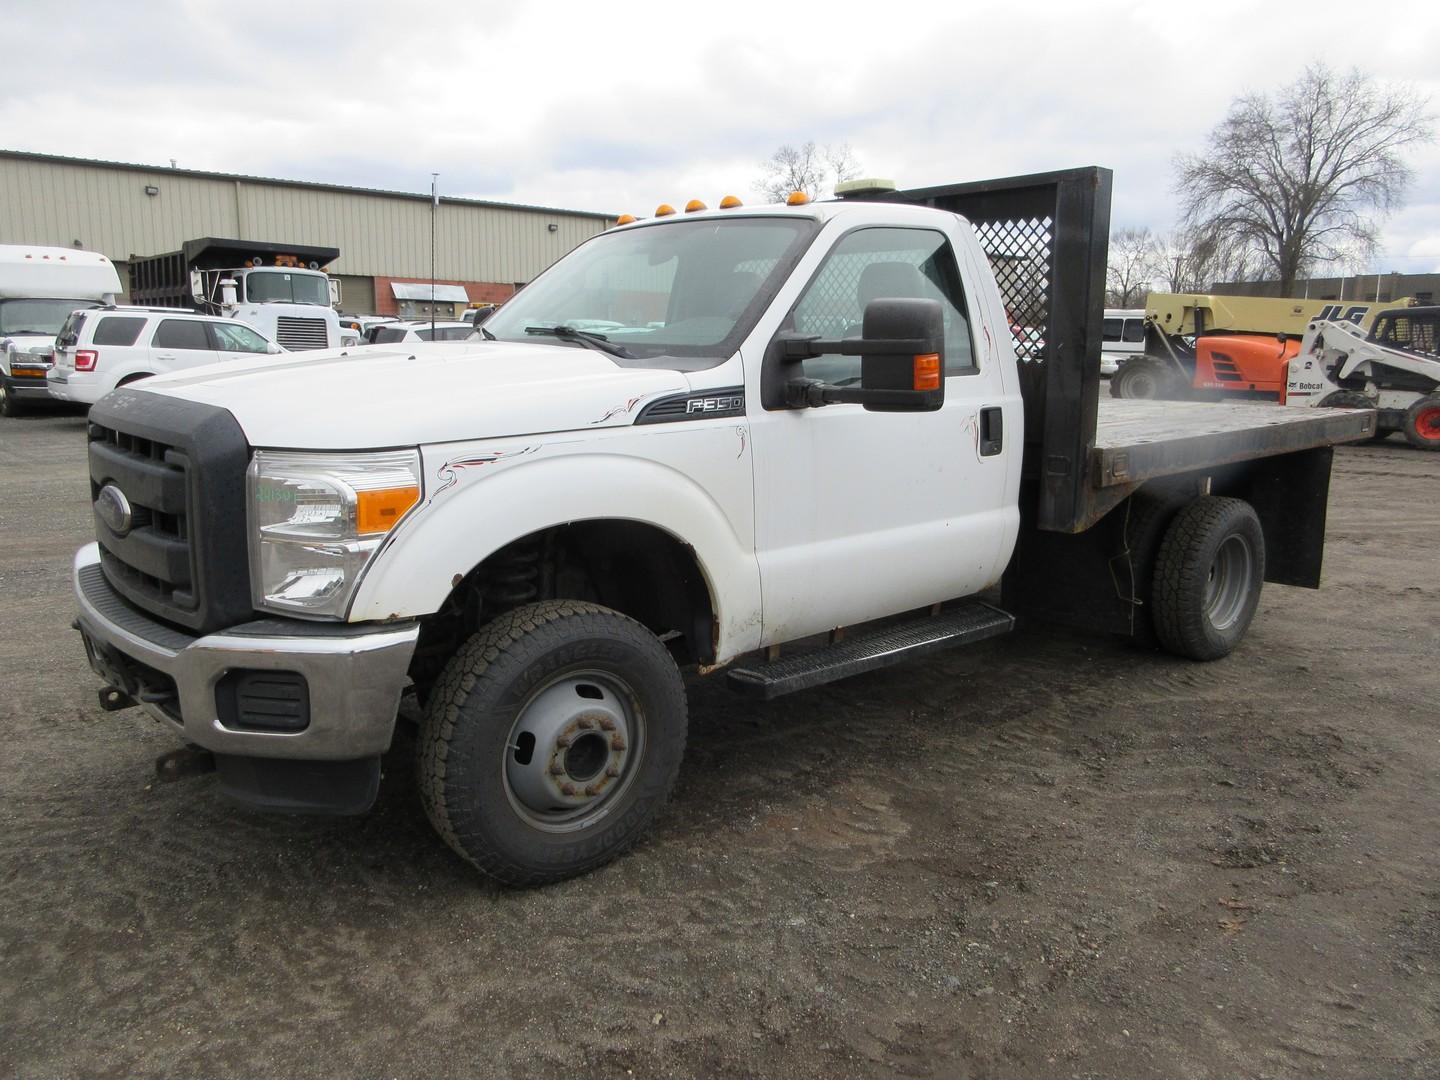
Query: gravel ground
(1049, 855)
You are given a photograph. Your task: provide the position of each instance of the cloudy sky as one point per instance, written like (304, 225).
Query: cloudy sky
(619, 106)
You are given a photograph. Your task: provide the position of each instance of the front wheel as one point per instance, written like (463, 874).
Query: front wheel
(551, 741)
(10, 405)
(1144, 378)
(1208, 577)
(1422, 423)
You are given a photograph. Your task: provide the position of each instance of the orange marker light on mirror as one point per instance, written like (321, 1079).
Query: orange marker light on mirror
(797, 198)
(664, 210)
(625, 219)
(693, 205)
(927, 371)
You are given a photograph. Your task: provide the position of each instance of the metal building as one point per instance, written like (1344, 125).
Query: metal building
(487, 248)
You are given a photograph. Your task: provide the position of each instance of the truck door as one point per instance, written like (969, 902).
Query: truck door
(862, 513)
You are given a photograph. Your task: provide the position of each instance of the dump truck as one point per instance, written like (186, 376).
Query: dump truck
(280, 289)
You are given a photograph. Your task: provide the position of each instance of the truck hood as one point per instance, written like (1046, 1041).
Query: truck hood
(427, 392)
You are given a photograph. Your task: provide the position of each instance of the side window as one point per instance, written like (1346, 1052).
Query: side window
(118, 330)
(882, 264)
(181, 334)
(1134, 329)
(454, 333)
(1111, 329)
(231, 337)
(387, 334)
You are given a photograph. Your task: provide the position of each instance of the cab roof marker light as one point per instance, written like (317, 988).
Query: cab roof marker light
(695, 205)
(664, 210)
(730, 202)
(625, 219)
(797, 198)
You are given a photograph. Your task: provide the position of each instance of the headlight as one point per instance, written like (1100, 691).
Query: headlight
(316, 520)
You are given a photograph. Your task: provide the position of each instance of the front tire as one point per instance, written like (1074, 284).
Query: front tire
(1144, 378)
(551, 741)
(1208, 577)
(10, 405)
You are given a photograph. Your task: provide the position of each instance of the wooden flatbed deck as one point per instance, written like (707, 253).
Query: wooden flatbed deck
(1138, 440)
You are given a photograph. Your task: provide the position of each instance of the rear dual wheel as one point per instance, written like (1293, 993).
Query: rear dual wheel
(1208, 576)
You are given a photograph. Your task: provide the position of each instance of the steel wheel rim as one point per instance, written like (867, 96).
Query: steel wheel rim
(1427, 423)
(1142, 385)
(1227, 587)
(573, 750)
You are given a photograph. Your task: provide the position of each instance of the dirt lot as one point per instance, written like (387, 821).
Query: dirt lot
(1054, 856)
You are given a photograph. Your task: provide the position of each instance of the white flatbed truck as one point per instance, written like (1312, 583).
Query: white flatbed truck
(779, 445)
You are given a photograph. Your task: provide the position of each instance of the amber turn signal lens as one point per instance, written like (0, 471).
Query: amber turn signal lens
(378, 511)
(927, 371)
(797, 198)
(730, 202)
(625, 219)
(664, 210)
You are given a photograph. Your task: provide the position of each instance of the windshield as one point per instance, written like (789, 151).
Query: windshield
(31, 316)
(680, 289)
(291, 288)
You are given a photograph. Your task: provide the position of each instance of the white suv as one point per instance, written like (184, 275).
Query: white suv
(102, 348)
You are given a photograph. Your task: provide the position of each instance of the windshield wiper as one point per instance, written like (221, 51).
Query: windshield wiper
(588, 338)
(486, 334)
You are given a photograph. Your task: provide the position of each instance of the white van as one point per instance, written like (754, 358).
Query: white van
(39, 288)
(1123, 337)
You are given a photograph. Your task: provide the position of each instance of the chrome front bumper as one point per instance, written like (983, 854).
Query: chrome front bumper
(354, 673)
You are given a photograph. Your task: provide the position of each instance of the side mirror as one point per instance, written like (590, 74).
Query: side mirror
(902, 360)
(336, 293)
(273, 349)
(197, 286)
(919, 375)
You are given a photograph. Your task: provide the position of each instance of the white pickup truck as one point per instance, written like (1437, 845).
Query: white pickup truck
(786, 444)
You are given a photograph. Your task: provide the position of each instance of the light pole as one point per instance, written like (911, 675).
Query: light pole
(434, 207)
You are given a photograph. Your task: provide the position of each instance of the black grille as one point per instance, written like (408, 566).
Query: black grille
(298, 334)
(181, 468)
(153, 556)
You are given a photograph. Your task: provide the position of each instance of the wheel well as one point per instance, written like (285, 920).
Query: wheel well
(633, 567)
(134, 376)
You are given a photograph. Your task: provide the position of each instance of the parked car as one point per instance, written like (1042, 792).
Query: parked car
(361, 324)
(101, 348)
(449, 330)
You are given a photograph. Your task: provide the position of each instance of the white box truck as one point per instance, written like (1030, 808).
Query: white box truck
(39, 288)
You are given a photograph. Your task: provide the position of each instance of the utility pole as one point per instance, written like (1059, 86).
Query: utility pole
(434, 206)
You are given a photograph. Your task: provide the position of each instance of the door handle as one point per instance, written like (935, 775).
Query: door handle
(992, 430)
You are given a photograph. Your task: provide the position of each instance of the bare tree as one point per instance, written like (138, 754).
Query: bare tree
(1131, 267)
(1304, 175)
(808, 168)
(1192, 260)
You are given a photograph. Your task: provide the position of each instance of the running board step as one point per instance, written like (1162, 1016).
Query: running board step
(963, 625)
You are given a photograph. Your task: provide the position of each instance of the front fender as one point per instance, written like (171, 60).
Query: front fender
(476, 506)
